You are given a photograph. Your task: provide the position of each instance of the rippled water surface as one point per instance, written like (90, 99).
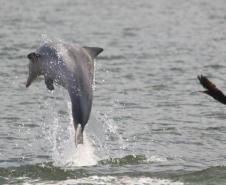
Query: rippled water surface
(149, 125)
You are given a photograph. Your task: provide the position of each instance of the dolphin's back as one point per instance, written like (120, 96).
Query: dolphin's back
(80, 87)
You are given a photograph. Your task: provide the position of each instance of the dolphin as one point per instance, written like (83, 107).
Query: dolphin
(72, 67)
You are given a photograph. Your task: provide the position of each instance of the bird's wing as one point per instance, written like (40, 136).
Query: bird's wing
(212, 90)
(207, 84)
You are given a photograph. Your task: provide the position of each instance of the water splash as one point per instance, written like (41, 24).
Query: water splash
(65, 152)
(60, 137)
(70, 156)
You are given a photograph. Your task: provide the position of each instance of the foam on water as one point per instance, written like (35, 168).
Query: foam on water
(154, 158)
(110, 180)
(126, 180)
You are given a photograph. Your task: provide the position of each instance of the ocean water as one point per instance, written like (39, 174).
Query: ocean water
(148, 125)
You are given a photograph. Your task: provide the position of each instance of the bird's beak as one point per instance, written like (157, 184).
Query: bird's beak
(204, 92)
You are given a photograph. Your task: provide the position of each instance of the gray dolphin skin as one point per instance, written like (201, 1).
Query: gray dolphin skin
(72, 67)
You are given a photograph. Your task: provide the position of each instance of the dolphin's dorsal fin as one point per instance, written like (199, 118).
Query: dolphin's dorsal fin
(93, 51)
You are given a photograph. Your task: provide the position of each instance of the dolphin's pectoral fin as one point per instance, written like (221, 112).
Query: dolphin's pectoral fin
(93, 51)
(49, 83)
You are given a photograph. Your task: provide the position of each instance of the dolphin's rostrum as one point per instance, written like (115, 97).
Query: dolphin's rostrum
(72, 67)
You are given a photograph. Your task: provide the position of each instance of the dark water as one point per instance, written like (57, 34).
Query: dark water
(148, 123)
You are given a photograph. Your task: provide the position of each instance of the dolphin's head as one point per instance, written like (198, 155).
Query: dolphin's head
(34, 67)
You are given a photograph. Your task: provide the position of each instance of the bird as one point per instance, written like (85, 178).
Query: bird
(211, 89)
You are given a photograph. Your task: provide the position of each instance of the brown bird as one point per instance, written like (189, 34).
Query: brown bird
(212, 90)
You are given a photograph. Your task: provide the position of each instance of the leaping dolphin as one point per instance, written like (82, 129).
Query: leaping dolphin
(72, 67)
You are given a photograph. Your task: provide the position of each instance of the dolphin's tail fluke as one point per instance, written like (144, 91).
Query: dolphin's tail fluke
(79, 135)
